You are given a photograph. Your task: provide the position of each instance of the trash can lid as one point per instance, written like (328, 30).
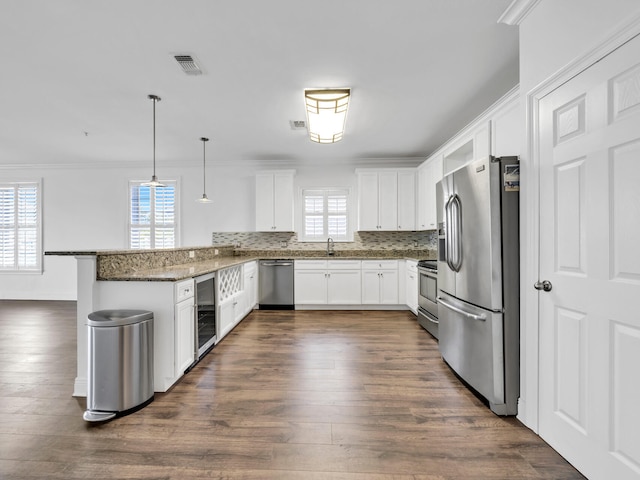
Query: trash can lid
(115, 318)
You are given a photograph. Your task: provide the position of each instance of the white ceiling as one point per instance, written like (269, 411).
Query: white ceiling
(76, 75)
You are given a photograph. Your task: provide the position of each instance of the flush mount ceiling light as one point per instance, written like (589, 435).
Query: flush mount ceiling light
(154, 180)
(326, 113)
(204, 198)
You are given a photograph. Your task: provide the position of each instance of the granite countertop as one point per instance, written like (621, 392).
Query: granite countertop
(174, 264)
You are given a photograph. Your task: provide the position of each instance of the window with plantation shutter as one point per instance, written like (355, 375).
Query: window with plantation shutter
(153, 216)
(20, 227)
(325, 214)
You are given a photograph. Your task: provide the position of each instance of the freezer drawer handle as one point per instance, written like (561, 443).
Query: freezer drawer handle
(472, 316)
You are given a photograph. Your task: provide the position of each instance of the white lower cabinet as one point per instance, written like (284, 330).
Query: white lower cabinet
(411, 285)
(230, 298)
(184, 318)
(230, 312)
(327, 282)
(250, 286)
(379, 282)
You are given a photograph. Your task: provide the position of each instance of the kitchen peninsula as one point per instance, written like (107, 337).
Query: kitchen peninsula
(162, 281)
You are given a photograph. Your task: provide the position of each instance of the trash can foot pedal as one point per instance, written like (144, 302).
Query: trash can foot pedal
(93, 416)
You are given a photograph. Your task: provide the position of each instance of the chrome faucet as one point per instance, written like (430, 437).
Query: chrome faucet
(330, 250)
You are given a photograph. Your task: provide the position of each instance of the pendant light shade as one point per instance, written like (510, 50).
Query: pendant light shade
(154, 180)
(204, 198)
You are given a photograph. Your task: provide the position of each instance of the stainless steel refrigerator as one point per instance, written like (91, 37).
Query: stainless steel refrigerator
(478, 279)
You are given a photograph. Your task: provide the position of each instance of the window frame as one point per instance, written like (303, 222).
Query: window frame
(39, 266)
(153, 226)
(326, 191)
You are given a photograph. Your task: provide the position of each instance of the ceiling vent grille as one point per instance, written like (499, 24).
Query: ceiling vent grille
(188, 64)
(298, 124)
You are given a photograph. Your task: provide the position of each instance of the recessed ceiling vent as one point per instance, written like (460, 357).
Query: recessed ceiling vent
(188, 64)
(298, 124)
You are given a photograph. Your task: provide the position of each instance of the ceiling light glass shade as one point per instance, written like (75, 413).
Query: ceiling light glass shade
(154, 180)
(326, 113)
(204, 198)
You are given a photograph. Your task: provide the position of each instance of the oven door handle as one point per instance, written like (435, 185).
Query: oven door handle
(482, 317)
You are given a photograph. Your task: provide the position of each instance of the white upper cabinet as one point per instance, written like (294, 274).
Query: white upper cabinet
(429, 173)
(386, 199)
(274, 201)
(406, 200)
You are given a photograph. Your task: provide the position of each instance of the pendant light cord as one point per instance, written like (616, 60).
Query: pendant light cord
(155, 99)
(204, 169)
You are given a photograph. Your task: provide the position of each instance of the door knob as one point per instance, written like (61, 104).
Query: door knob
(544, 285)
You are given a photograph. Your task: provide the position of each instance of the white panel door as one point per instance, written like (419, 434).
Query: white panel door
(310, 287)
(589, 405)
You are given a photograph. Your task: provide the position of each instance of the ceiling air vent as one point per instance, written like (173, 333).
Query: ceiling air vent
(188, 64)
(298, 124)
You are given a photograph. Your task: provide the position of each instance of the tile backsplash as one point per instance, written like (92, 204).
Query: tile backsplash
(427, 240)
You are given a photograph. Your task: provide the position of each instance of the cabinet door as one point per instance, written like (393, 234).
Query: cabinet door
(344, 287)
(434, 175)
(185, 343)
(264, 202)
(406, 201)
(226, 317)
(412, 291)
(368, 201)
(388, 200)
(389, 287)
(422, 196)
(370, 287)
(250, 286)
(283, 202)
(310, 287)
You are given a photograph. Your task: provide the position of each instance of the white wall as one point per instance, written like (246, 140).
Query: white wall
(556, 32)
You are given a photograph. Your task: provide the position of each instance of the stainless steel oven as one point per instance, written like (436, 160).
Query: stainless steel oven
(427, 296)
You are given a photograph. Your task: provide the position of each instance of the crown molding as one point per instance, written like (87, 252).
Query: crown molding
(517, 11)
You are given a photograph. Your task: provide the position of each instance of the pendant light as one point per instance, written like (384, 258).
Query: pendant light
(154, 180)
(204, 198)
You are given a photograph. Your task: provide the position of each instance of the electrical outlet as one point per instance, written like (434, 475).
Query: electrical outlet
(415, 243)
(192, 254)
(215, 251)
(283, 244)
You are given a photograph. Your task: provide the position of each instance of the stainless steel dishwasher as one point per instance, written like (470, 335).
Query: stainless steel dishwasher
(276, 284)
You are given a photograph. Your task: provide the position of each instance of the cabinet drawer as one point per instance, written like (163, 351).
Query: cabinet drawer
(412, 266)
(344, 264)
(380, 264)
(184, 290)
(310, 264)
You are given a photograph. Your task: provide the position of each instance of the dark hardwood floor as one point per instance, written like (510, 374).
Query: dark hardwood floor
(287, 395)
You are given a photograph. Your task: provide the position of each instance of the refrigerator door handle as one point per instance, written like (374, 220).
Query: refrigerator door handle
(448, 231)
(456, 224)
(482, 317)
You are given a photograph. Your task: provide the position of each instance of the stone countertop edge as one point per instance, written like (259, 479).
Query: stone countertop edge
(176, 273)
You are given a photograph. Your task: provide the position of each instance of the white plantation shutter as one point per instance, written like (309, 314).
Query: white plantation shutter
(152, 216)
(20, 227)
(325, 214)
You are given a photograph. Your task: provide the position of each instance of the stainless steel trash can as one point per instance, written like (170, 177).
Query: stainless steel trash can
(120, 373)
